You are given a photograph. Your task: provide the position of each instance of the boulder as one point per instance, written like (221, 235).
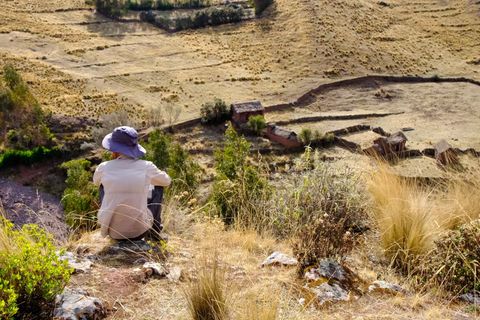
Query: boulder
(279, 259)
(329, 293)
(384, 287)
(331, 282)
(76, 304)
(79, 265)
(329, 270)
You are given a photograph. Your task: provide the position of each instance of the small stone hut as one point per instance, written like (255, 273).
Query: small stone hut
(285, 137)
(244, 110)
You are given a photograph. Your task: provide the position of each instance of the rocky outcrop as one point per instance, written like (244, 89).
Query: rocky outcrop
(25, 204)
(77, 304)
(332, 282)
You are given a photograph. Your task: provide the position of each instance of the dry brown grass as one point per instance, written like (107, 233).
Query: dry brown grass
(206, 296)
(6, 245)
(411, 215)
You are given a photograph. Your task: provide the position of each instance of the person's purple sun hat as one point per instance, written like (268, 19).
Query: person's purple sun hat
(124, 140)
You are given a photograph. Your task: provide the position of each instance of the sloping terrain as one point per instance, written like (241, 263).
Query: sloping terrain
(295, 46)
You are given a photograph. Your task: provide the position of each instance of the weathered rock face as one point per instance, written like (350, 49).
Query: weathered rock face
(279, 259)
(331, 282)
(330, 271)
(24, 205)
(79, 265)
(384, 287)
(329, 293)
(76, 304)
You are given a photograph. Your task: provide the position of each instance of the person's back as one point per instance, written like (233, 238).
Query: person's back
(126, 182)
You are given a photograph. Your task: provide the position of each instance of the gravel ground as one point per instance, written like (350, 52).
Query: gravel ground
(28, 205)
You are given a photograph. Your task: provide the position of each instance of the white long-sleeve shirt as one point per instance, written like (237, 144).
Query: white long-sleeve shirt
(124, 213)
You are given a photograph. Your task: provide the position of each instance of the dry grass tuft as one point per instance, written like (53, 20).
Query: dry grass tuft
(6, 244)
(206, 296)
(411, 215)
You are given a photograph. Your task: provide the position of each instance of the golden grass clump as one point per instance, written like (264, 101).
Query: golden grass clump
(411, 215)
(206, 296)
(6, 243)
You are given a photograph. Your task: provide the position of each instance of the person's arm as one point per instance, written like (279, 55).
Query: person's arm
(97, 176)
(157, 176)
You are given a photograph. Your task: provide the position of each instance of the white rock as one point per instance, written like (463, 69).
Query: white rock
(279, 259)
(79, 265)
(76, 304)
(175, 274)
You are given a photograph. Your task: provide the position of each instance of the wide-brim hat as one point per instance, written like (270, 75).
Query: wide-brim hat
(124, 140)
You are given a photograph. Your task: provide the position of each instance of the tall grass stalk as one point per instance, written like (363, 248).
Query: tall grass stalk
(206, 296)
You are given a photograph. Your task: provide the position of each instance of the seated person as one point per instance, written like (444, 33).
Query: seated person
(126, 181)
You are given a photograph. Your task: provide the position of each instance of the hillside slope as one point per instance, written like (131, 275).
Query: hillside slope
(296, 45)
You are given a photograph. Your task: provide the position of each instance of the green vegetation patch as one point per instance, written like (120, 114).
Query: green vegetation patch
(80, 198)
(171, 157)
(31, 273)
(27, 157)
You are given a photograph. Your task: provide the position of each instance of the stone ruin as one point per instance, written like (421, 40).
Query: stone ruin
(388, 146)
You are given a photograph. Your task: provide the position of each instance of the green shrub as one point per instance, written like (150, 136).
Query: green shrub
(454, 263)
(23, 121)
(257, 124)
(183, 170)
(260, 5)
(6, 101)
(238, 185)
(214, 113)
(31, 273)
(319, 140)
(11, 77)
(172, 158)
(27, 157)
(112, 8)
(140, 4)
(80, 198)
(209, 16)
(306, 136)
(158, 149)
